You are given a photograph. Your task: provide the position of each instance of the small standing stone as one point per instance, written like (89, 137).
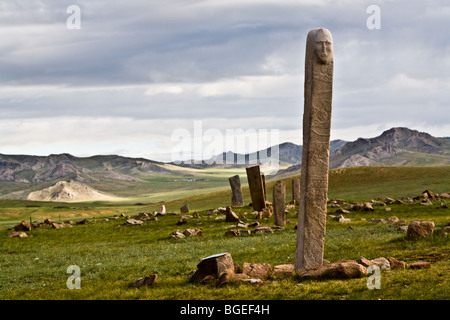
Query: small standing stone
(256, 186)
(236, 192)
(279, 198)
(184, 208)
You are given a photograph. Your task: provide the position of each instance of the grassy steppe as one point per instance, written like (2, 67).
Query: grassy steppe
(112, 255)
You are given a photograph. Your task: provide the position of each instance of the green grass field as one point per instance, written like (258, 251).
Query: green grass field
(111, 255)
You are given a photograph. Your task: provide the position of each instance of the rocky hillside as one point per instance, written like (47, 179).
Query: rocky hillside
(397, 147)
(29, 169)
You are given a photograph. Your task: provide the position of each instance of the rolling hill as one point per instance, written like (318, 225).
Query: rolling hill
(62, 177)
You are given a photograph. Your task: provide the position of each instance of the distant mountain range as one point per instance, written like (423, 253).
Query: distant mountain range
(21, 175)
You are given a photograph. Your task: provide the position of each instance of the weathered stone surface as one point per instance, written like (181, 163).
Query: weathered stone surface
(266, 213)
(182, 220)
(192, 232)
(256, 185)
(279, 199)
(283, 270)
(18, 234)
(296, 190)
(257, 270)
(148, 281)
(61, 225)
(263, 229)
(340, 218)
(365, 262)
(419, 229)
(177, 234)
(315, 156)
(420, 265)
(215, 266)
(346, 269)
(184, 208)
(396, 264)
(367, 206)
(22, 226)
(141, 215)
(230, 216)
(382, 262)
(238, 233)
(236, 192)
(134, 222)
(162, 209)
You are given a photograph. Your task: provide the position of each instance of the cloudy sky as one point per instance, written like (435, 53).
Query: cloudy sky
(138, 71)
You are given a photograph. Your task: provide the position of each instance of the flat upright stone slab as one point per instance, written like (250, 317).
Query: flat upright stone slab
(256, 185)
(236, 192)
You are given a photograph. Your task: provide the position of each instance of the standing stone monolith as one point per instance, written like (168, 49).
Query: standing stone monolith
(296, 190)
(316, 143)
(279, 198)
(256, 186)
(236, 192)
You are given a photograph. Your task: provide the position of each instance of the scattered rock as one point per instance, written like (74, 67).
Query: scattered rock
(340, 210)
(365, 262)
(133, 222)
(177, 234)
(162, 209)
(84, 221)
(266, 213)
(61, 225)
(141, 215)
(254, 224)
(22, 226)
(420, 265)
(340, 218)
(419, 229)
(358, 206)
(214, 266)
(346, 269)
(238, 233)
(183, 220)
(367, 206)
(382, 262)
(428, 194)
(257, 270)
(195, 215)
(18, 234)
(192, 232)
(263, 229)
(396, 264)
(146, 281)
(230, 216)
(426, 202)
(283, 270)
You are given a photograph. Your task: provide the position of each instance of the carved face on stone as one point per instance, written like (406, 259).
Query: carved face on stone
(324, 46)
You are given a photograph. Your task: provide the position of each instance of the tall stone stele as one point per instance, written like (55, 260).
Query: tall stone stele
(316, 144)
